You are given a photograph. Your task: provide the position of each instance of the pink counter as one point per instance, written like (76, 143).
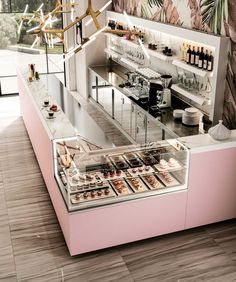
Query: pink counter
(210, 197)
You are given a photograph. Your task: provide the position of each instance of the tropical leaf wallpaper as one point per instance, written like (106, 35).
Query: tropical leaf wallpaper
(212, 16)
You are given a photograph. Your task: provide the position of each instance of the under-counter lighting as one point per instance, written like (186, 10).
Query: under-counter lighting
(100, 11)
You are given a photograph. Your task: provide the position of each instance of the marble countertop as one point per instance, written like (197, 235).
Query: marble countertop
(204, 142)
(58, 127)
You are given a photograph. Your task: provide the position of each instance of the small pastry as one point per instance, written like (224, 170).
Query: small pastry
(85, 195)
(112, 173)
(147, 167)
(163, 164)
(99, 183)
(93, 194)
(82, 177)
(99, 193)
(172, 162)
(89, 177)
(134, 170)
(105, 174)
(118, 172)
(92, 184)
(77, 197)
(107, 191)
(140, 169)
(53, 108)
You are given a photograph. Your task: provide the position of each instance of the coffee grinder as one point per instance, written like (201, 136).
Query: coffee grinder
(165, 99)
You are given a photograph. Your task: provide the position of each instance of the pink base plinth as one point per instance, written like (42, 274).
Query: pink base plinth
(210, 197)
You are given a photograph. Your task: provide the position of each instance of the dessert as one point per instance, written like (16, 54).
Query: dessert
(99, 183)
(163, 164)
(93, 194)
(134, 170)
(85, 195)
(173, 162)
(167, 177)
(147, 167)
(107, 191)
(99, 193)
(50, 114)
(118, 172)
(53, 108)
(105, 174)
(140, 169)
(77, 197)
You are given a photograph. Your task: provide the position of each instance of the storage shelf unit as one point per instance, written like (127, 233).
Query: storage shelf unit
(219, 44)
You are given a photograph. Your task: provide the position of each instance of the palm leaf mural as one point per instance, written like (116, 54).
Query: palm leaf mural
(196, 17)
(214, 13)
(157, 3)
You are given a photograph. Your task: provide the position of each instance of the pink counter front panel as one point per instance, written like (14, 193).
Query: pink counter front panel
(212, 187)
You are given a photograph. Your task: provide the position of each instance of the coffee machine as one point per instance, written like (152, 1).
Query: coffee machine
(165, 100)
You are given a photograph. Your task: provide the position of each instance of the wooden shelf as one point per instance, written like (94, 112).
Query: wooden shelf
(190, 95)
(192, 69)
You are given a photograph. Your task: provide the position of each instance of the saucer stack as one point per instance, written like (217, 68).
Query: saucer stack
(191, 116)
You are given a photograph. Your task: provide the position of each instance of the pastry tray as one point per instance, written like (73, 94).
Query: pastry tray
(119, 162)
(158, 184)
(141, 187)
(173, 182)
(147, 158)
(132, 160)
(120, 183)
(139, 172)
(89, 198)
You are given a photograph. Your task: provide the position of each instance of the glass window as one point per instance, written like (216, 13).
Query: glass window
(4, 6)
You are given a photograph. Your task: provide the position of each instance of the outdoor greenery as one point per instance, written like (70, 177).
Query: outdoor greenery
(8, 30)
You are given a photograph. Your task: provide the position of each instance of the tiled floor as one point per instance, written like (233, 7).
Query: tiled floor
(32, 247)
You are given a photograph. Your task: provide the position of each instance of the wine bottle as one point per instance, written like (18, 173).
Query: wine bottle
(201, 59)
(197, 57)
(205, 60)
(182, 52)
(193, 54)
(189, 55)
(210, 62)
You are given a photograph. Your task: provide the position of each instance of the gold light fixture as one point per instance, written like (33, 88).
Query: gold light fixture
(44, 27)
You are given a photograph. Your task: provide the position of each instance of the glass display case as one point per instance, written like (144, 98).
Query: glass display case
(89, 177)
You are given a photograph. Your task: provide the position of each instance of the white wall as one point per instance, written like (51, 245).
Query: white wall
(77, 66)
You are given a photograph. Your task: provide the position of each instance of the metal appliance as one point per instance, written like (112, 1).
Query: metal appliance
(165, 101)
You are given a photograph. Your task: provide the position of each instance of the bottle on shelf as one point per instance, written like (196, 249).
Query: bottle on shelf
(188, 59)
(210, 62)
(205, 60)
(197, 57)
(192, 58)
(182, 52)
(201, 59)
